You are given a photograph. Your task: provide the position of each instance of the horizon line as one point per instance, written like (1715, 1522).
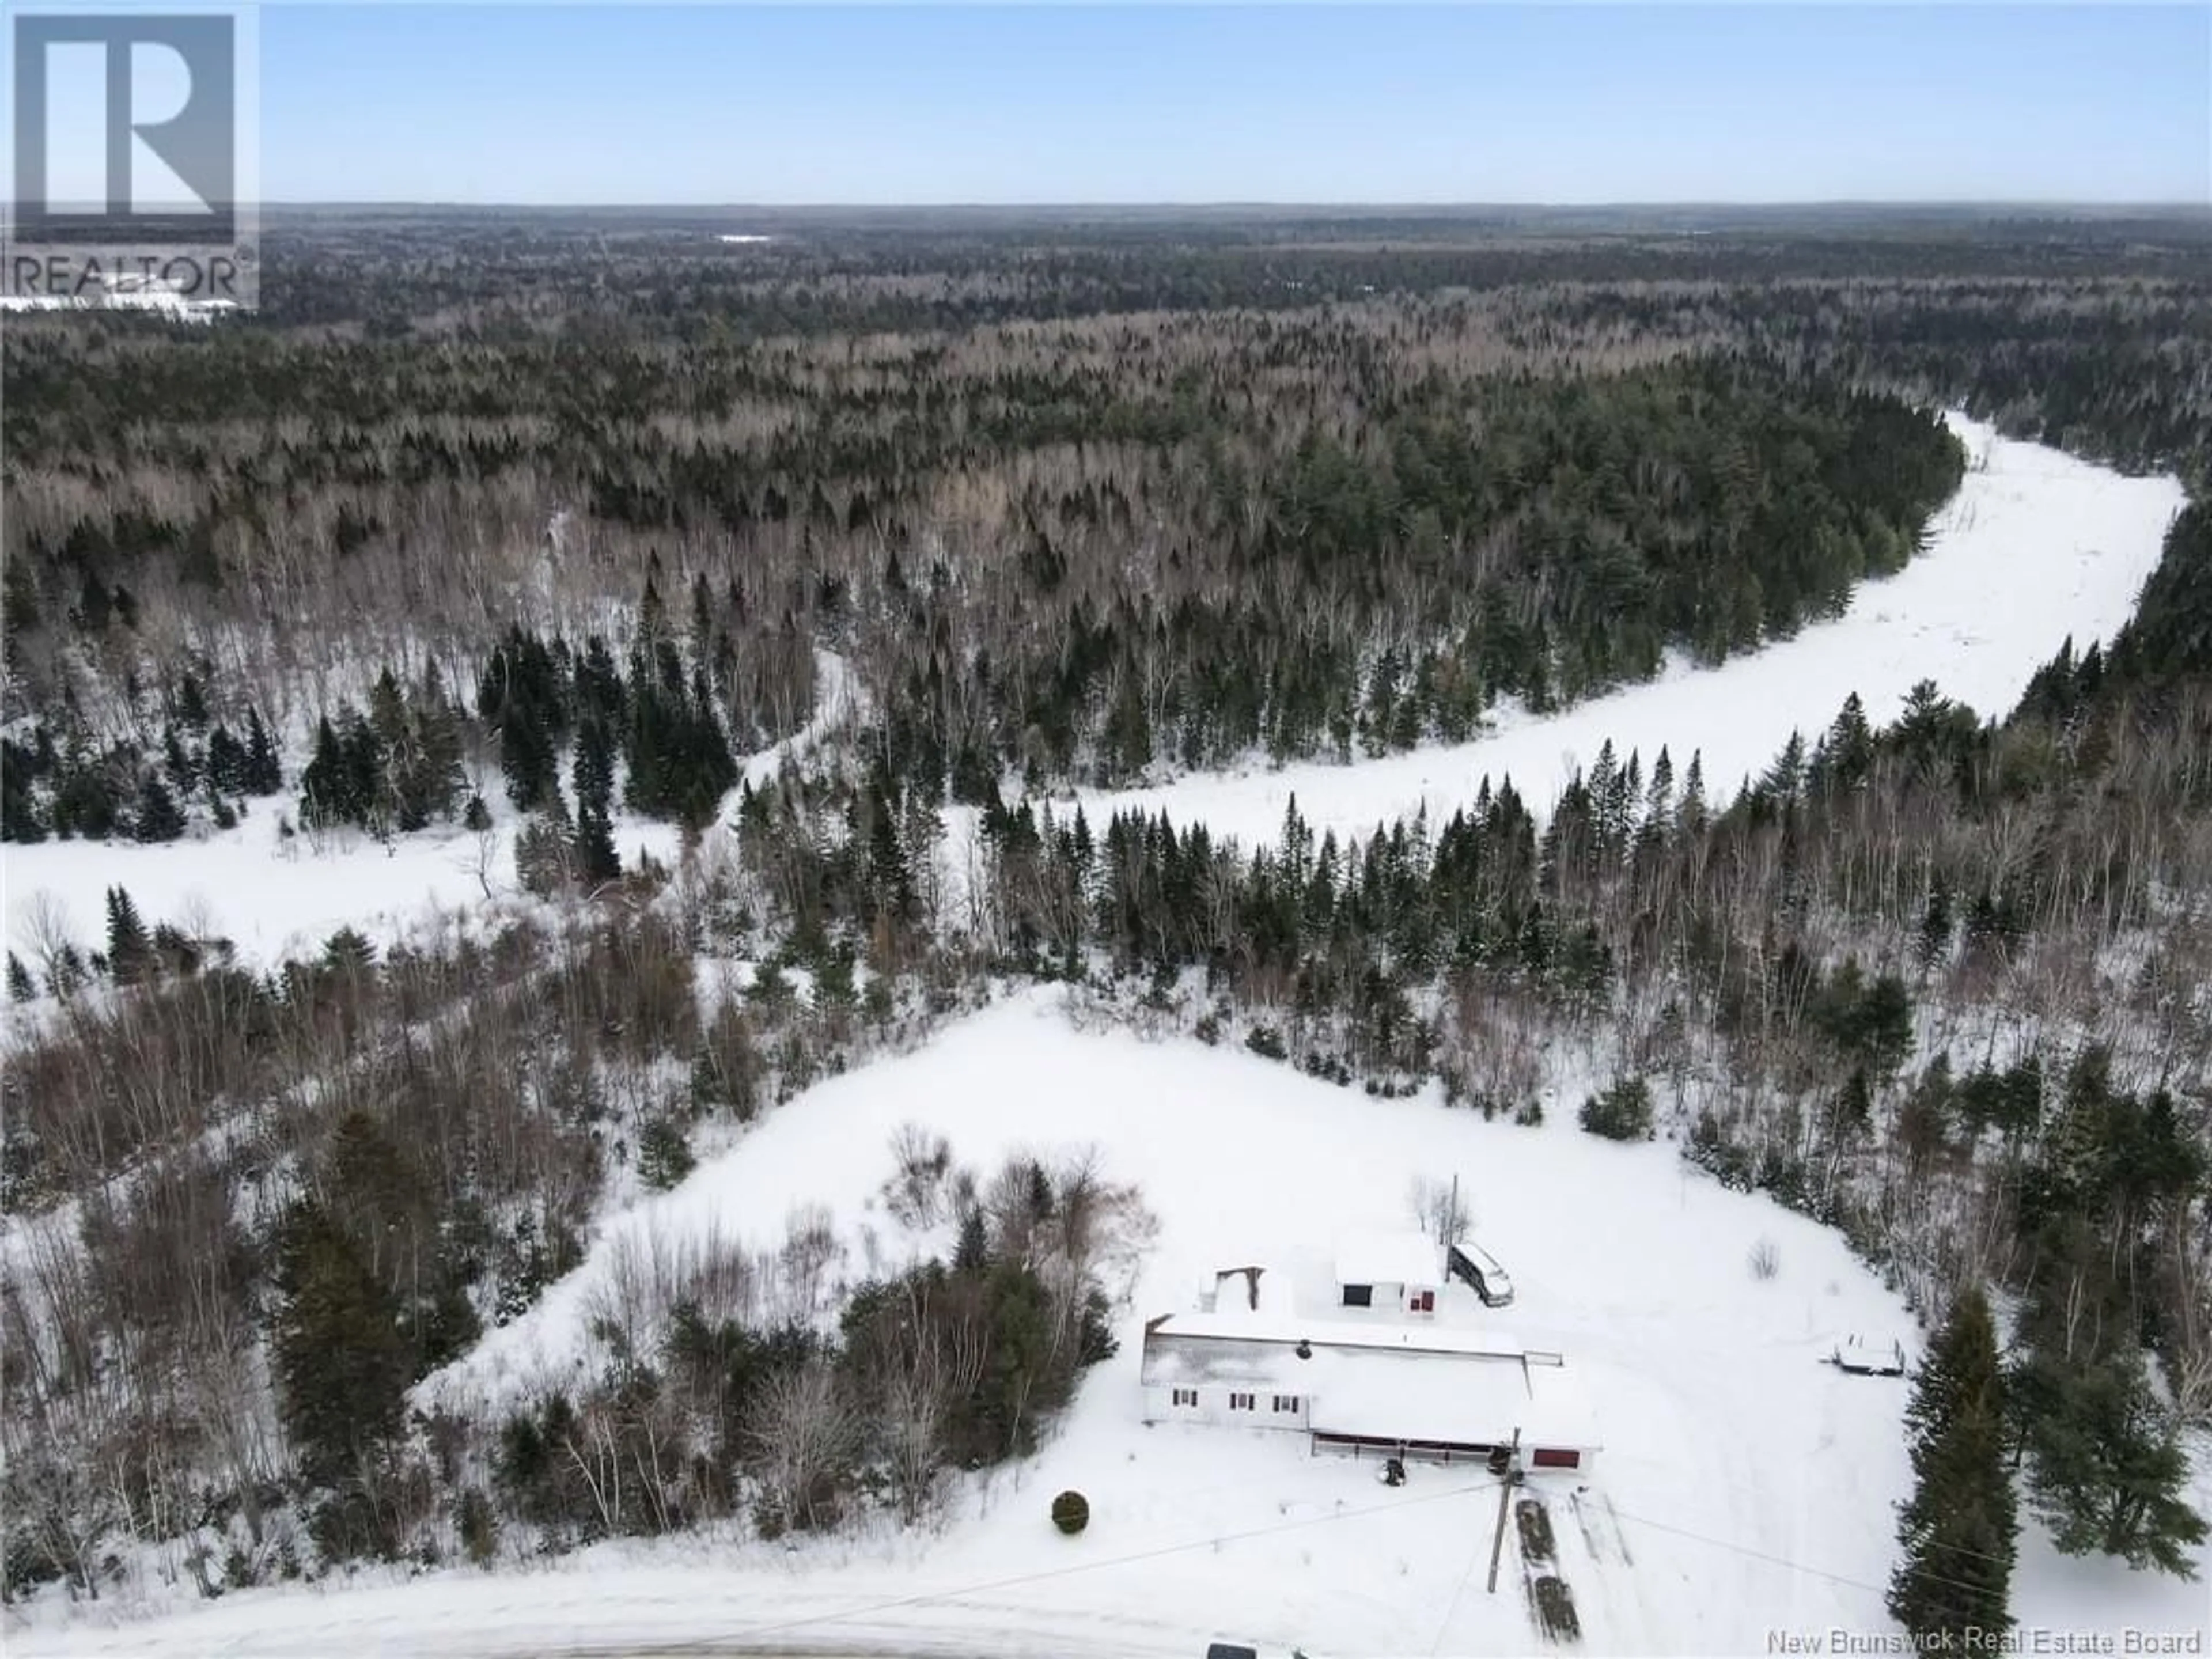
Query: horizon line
(2173, 205)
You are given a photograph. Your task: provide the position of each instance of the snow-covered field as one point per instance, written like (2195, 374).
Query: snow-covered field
(2036, 545)
(1744, 1487)
(272, 896)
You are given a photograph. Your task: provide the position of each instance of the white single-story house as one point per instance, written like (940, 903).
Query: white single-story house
(1419, 1391)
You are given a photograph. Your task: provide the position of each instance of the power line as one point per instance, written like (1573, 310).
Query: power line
(1741, 1491)
(923, 1598)
(1452, 1607)
(1810, 1571)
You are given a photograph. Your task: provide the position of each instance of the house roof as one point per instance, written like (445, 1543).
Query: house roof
(1388, 1258)
(1462, 1397)
(1174, 1361)
(1457, 1400)
(1286, 1328)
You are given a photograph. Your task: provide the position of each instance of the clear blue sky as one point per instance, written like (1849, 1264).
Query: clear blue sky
(1012, 103)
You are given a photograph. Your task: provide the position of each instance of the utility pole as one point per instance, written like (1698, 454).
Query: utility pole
(1505, 1501)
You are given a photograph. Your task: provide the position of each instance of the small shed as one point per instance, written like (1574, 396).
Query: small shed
(1399, 1271)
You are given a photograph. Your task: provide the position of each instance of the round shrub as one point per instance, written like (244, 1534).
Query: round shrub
(1621, 1113)
(1071, 1512)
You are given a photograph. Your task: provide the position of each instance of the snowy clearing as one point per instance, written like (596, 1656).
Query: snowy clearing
(1745, 1484)
(2035, 546)
(174, 307)
(272, 896)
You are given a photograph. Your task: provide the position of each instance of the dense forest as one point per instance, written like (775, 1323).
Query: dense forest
(1073, 503)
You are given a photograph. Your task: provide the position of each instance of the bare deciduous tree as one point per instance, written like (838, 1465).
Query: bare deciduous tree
(803, 1432)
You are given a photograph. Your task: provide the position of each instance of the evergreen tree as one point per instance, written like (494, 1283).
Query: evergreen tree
(1846, 753)
(340, 1358)
(594, 844)
(1658, 823)
(2107, 1466)
(600, 692)
(129, 948)
(264, 775)
(348, 951)
(1936, 925)
(369, 795)
(20, 987)
(889, 875)
(1958, 1529)
(158, 817)
(526, 756)
(227, 763)
(1690, 817)
(437, 779)
(2106, 1469)
(327, 795)
(393, 726)
(20, 818)
(522, 698)
(971, 1253)
(1783, 779)
(181, 764)
(679, 760)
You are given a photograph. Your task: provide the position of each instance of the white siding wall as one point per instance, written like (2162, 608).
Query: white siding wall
(1213, 1408)
(1392, 1304)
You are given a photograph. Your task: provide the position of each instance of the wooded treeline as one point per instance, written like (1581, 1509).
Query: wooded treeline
(1499, 485)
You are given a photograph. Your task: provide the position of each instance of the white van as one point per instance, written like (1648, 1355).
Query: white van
(1480, 1269)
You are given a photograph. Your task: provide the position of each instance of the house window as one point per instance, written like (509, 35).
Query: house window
(1546, 1457)
(1242, 1402)
(1359, 1296)
(1286, 1402)
(1424, 1302)
(1186, 1397)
